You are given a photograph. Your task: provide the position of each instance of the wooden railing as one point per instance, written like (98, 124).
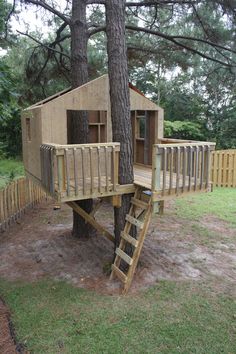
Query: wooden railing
(223, 170)
(181, 167)
(15, 198)
(80, 171)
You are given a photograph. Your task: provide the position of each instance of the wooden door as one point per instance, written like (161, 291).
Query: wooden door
(143, 128)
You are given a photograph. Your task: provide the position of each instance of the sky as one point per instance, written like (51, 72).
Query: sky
(30, 18)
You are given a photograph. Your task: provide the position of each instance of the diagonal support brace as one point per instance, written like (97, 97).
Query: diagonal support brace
(87, 217)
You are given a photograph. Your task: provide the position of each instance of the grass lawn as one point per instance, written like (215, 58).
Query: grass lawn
(221, 204)
(10, 169)
(185, 316)
(168, 318)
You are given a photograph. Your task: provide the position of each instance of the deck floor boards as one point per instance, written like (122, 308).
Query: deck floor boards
(142, 177)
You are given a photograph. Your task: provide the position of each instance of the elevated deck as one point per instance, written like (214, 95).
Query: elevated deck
(76, 172)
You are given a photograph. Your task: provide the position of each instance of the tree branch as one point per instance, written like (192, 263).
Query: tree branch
(185, 46)
(97, 29)
(8, 18)
(145, 3)
(49, 8)
(44, 45)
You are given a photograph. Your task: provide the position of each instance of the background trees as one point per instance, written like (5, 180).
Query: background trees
(162, 37)
(180, 53)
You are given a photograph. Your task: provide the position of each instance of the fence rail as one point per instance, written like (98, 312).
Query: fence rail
(223, 170)
(15, 198)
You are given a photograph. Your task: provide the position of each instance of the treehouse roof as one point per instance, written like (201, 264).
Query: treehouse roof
(94, 95)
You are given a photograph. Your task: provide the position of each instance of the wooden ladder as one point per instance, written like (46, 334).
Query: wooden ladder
(139, 217)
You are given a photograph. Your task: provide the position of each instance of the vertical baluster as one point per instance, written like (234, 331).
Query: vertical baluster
(83, 170)
(113, 159)
(61, 173)
(67, 161)
(177, 168)
(190, 167)
(202, 168)
(52, 182)
(76, 170)
(171, 169)
(208, 166)
(184, 168)
(106, 168)
(91, 169)
(164, 170)
(196, 167)
(99, 170)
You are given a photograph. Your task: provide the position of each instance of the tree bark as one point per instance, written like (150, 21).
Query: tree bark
(79, 125)
(120, 101)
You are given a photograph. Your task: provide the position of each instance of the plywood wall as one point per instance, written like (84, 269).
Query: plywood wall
(31, 144)
(49, 118)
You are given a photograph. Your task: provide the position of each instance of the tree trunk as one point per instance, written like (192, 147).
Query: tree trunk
(79, 126)
(120, 101)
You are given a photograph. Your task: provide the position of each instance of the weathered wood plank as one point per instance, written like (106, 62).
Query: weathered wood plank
(129, 239)
(124, 256)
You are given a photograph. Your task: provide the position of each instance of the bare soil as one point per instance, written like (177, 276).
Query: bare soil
(41, 246)
(7, 345)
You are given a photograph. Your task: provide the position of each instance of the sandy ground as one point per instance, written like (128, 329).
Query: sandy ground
(41, 246)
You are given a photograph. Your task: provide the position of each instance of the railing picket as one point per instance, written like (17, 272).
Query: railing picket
(99, 170)
(164, 170)
(184, 168)
(67, 161)
(177, 168)
(202, 168)
(208, 167)
(106, 168)
(196, 167)
(190, 167)
(83, 170)
(171, 169)
(91, 169)
(76, 171)
(113, 167)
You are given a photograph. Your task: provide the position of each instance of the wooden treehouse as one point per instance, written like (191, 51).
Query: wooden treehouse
(163, 168)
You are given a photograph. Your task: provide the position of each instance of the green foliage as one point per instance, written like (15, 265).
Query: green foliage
(189, 88)
(183, 130)
(4, 8)
(9, 170)
(10, 125)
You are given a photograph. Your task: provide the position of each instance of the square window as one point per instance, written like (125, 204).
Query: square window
(28, 129)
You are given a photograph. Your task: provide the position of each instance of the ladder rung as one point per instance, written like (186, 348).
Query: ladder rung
(134, 221)
(119, 273)
(124, 256)
(139, 203)
(129, 239)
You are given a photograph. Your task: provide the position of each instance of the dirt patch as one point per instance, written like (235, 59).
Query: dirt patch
(7, 344)
(217, 225)
(41, 246)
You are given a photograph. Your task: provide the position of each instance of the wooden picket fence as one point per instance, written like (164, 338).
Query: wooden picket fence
(223, 171)
(15, 198)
